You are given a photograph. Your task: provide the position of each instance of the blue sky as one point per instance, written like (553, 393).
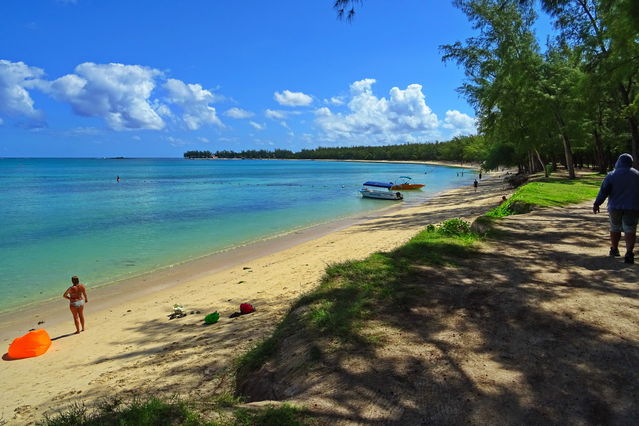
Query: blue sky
(93, 78)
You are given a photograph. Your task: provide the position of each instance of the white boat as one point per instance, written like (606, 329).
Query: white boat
(369, 192)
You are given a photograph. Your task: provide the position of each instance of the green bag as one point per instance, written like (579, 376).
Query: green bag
(212, 318)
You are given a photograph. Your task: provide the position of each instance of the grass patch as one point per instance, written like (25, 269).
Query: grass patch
(549, 192)
(154, 411)
(352, 292)
(283, 415)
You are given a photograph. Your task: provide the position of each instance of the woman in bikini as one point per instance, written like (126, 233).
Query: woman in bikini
(77, 296)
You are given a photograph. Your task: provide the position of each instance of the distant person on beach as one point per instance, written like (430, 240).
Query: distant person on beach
(475, 184)
(77, 296)
(621, 187)
(117, 178)
(479, 175)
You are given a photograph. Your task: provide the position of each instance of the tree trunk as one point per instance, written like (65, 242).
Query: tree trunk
(632, 123)
(600, 158)
(568, 153)
(567, 148)
(634, 131)
(541, 163)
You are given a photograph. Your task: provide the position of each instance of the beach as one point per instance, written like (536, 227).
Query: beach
(130, 345)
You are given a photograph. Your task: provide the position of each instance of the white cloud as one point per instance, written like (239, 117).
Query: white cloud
(238, 113)
(15, 78)
(194, 102)
(288, 98)
(335, 100)
(275, 114)
(460, 123)
(403, 116)
(257, 126)
(115, 92)
(162, 109)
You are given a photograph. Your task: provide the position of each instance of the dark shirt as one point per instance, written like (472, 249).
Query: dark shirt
(621, 186)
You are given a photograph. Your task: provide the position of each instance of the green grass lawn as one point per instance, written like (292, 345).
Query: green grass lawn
(549, 192)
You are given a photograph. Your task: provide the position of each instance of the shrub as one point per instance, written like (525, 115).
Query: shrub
(454, 227)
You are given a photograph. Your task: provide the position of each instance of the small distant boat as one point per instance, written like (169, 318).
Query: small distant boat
(369, 192)
(406, 184)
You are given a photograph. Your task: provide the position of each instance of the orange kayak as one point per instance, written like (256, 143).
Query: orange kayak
(405, 186)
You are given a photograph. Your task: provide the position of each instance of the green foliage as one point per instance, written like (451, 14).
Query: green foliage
(459, 149)
(575, 101)
(454, 227)
(152, 411)
(548, 193)
(198, 154)
(283, 415)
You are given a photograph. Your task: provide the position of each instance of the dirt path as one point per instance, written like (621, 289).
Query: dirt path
(541, 327)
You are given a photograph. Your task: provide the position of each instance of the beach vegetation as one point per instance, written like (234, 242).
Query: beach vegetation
(281, 415)
(352, 292)
(459, 149)
(198, 154)
(223, 410)
(151, 411)
(549, 192)
(569, 101)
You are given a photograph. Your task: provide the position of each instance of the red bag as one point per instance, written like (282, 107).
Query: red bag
(246, 308)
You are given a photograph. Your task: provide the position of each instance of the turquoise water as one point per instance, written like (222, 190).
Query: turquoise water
(64, 217)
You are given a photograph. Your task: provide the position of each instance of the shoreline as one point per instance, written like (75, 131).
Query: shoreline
(115, 277)
(130, 346)
(429, 163)
(157, 278)
(53, 310)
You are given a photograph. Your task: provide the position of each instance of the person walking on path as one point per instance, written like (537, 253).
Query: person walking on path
(77, 296)
(621, 187)
(475, 184)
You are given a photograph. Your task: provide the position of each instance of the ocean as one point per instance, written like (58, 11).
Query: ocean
(64, 217)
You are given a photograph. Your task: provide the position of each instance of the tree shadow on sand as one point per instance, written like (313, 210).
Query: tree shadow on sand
(532, 329)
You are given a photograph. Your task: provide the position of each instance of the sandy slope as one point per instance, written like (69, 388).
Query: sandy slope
(132, 346)
(539, 326)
